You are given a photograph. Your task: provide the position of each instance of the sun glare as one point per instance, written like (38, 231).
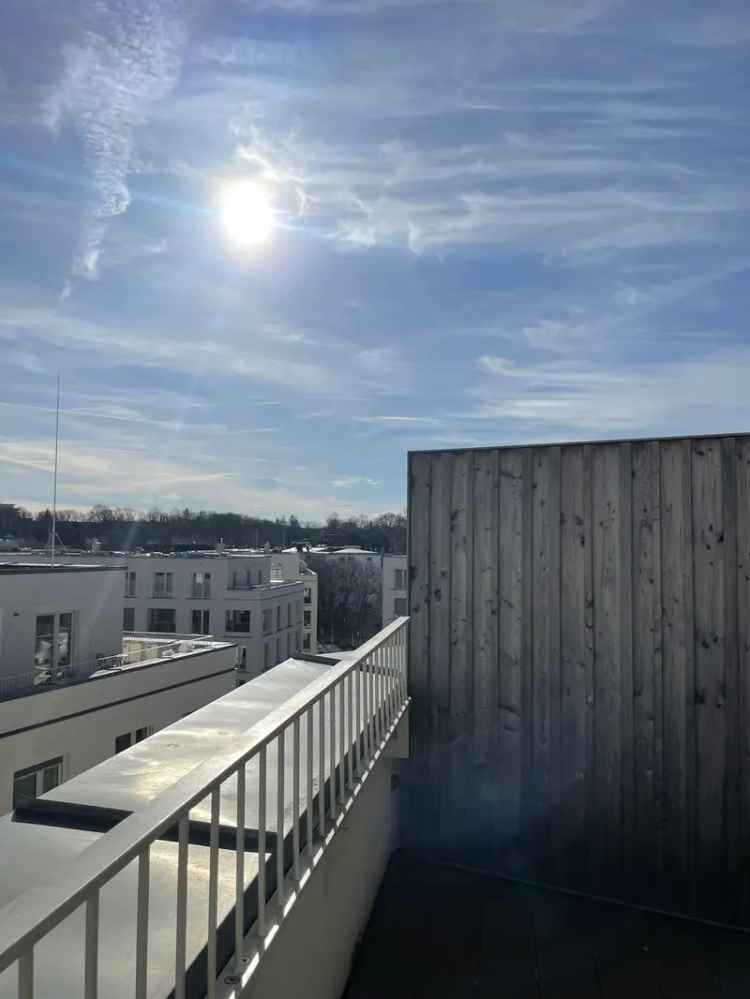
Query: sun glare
(246, 213)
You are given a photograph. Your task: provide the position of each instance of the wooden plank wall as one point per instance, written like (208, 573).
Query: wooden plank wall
(580, 667)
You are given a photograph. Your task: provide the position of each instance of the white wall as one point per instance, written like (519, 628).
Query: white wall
(94, 595)
(311, 955)
(86, 739)
(293, 566)
(391, 592)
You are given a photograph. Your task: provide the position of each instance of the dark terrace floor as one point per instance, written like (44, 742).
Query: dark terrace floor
(437, 932)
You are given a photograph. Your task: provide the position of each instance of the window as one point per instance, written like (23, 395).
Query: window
(163, 584)
(161, 619)
(129, 584)
(33, 781)
(141, 733)
(278, 618)
(308, 595)
(260, 576)
(289, 615)
(238, 621)
(308, 618)
(53, 648)
(64, 639)
(45, 633)
(399, 606)
(201, 585)
(306, 643)
(200, 622)
(278, 650)
(399, 579)
(241, 579)
(128, 619)
(288, 644)
(267, 621)
(266, 656)
(296, 641)
(123, 741)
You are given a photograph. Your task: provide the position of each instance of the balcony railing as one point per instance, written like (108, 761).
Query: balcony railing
(53, 677)
(354, 708)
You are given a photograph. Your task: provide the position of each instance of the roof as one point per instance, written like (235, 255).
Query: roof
(29, 568)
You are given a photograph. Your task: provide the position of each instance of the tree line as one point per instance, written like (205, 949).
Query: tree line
(124, 529)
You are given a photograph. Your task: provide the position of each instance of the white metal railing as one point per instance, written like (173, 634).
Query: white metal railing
(51, 677)
(366, 697)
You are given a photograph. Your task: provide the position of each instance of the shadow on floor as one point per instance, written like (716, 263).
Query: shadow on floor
(438, 932)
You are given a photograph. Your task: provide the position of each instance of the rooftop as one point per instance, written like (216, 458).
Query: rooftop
(49, 568)
(460, 934)
(138, 652)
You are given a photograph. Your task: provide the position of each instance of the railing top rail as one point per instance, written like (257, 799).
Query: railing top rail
(33, 914)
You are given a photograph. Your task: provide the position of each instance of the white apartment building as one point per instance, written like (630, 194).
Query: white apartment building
(229, 595)
(290, 565)
(395, 586)
(73, 691)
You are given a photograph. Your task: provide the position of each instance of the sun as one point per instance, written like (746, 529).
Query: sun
(246, 212)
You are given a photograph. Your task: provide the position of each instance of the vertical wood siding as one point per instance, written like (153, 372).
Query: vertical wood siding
(580, 666)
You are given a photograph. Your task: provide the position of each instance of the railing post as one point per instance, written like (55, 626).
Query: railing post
(295, 797)
(310, 796)
(322, 767)
(239, 877)
(280, 816)
(342, 758)
(213, 894)
(358, 719)
(26, 974)
(390, 659)
(91, 950)
(141, 925)
(262, 842)
(378, 696)
(350, 741)
(332, 785)
(366, 710)
(182, 890)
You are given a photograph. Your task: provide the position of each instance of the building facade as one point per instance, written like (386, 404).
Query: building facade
(228, 595)
(395, 586)
(290, 565)
(74, 692)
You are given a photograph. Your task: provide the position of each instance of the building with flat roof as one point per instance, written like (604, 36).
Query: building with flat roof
(73, 689)
(227, 594)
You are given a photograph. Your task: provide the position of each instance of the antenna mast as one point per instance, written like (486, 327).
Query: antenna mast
(54, 486)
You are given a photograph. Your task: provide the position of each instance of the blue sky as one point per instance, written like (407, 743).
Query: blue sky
(496, 222)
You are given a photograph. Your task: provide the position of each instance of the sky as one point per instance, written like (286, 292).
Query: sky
(494, 222)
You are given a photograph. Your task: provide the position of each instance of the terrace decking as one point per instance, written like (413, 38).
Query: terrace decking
(442, 933)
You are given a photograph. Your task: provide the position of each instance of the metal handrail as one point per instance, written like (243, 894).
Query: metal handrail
(20, 684)
(379, 669)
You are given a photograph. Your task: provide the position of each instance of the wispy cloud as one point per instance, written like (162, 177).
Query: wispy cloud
(354, 480)
(125, 59)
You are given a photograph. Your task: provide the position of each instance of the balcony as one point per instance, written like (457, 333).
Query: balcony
(136, 649)
(200, 867)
